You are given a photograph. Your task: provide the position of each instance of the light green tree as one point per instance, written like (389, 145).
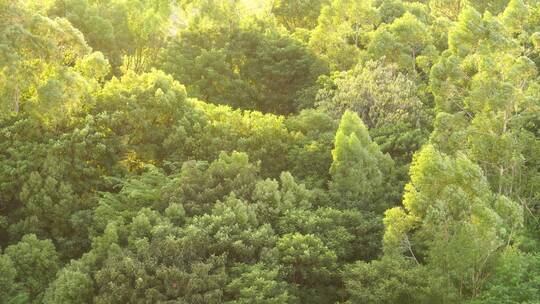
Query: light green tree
(343, 28)
(359, 168)
(451, 221)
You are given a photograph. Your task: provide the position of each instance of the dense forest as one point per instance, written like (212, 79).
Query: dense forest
(270, 151)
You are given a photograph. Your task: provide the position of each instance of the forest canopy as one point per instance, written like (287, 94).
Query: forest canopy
(270, 151)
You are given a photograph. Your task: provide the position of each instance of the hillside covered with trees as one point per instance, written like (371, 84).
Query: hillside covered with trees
(270, 151)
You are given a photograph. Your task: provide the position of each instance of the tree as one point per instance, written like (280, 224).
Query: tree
(358, 168)
(201, 185)
(393, 280)
(33, 58)
(472, 31)
(262, 167)
(485, 56)
(7, 281)
(70, 287)
(49, 179)
(387, 102)
(264, 137)
(308, 264)
(129, 33)
(259, 285)
(35, 262)
(142, 110)
(256, 65)
(403, 42)
(151, 189)
(149, 259)
(235, 231)
(515, 279)
(343, 28)
(297, 14)
(352, 235)
(451, 220)
(310, 155)
(273, 199)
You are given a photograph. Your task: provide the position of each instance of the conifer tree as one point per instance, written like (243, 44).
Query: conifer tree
(358, 168)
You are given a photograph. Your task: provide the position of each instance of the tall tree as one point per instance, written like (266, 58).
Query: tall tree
(359, 168)
(451, 221)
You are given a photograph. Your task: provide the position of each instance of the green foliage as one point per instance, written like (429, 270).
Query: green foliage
(387, 102)
(516, 279)
(456, 225)
(259, 285)
(392, 280)
(70, 287)
(54, 196)
(350, 234)
(94, 65)
(143, 109)
(358, 169)
(325, 151)
(129, 33)
(35, 55)
(34, 263)
(310, 155)
(7, 281)
(344, 26)
(264, 137)
(297, 13)
(234, 230)
(200, 185)
(151, 189)
(307, 263)
(273, 199)
(256, 65)
(403, 42)
(484, 56)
